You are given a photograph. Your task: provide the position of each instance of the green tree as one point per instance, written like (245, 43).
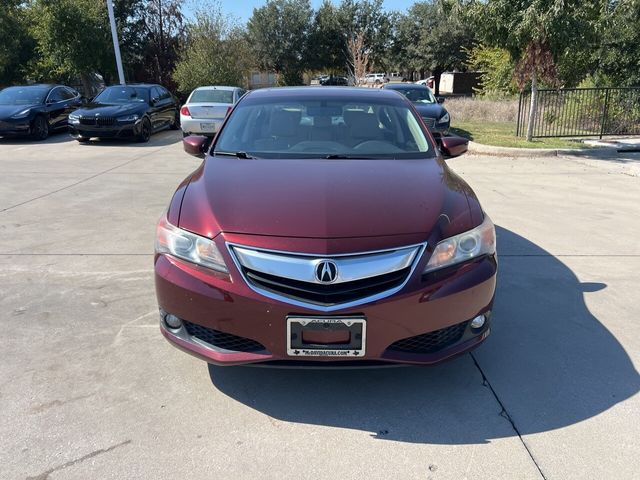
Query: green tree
(618, 55)
(537, 34)
(216, 52)
(163, 29)
(434, 37)
(278, 36)
(497, 68)
(17, 45)
(326, 41)
(366, 18)
(72, 37)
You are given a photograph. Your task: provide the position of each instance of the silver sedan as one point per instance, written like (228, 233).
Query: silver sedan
(206, 109)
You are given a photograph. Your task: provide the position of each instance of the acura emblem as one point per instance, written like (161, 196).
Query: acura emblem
(326, 271)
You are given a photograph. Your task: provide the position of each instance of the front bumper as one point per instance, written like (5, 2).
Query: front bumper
(11, 128)
(195, 125)
(230, 324)
(127, 130)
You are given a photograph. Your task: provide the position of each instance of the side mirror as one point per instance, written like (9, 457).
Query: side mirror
(154, 101)
(195, 145)
(440, 99)
(453, 146)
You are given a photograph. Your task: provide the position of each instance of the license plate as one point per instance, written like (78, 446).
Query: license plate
(208, 127)
(303, 332)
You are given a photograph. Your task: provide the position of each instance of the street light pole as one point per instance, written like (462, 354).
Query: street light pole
(116, 45)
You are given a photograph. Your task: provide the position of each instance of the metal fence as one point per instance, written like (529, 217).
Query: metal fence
(582, 112)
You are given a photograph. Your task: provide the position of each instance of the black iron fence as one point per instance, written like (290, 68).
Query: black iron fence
(582, 112)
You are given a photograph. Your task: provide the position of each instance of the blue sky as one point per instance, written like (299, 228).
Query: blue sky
(244, 8)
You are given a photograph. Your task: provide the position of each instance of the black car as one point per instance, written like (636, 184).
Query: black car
(36, 110)
(134, 111)
(333, 80)
(430, 108)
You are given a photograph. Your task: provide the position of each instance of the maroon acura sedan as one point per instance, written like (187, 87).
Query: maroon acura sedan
(325, 228)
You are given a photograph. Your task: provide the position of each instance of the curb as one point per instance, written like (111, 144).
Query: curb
(538, 152)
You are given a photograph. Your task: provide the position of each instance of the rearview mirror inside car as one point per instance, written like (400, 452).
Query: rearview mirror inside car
(453, 146)
(195, 145)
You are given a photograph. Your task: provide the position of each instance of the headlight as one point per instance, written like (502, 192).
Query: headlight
(21, 114)
(474, 243)
(128, 118)
(445, 118)
(73, 118)
(188, 246)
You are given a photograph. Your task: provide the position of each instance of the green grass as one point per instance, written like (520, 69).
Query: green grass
(502, 134)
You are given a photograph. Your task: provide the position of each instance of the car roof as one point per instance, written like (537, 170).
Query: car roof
(329, 92)
(36, 85)
(405, 86)
(216, 87)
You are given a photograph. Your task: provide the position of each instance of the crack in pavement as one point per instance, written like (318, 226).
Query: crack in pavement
(91, 177)
(45, 475)
(505, 414)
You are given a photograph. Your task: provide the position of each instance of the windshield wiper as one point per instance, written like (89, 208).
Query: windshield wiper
(338, 156)
(244, 155)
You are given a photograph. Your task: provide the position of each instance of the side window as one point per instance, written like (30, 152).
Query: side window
(67, 94)
(155, 93)
(55, 95)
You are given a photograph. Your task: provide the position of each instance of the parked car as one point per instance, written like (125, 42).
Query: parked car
(206, 109)
(36, 110)
(430, 108)
(133, 111)
(427, 82)
(324, 228)
(335, 81)
(375, 78)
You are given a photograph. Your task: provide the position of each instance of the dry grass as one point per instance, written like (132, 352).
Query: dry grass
(475, 110)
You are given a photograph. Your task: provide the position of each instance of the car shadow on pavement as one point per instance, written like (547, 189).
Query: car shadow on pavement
(550, 361)
(57, 137)
(160, 139)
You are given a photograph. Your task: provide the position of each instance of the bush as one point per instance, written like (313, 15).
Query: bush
(497, 68)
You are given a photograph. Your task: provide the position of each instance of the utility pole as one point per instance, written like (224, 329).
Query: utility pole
(116, 45)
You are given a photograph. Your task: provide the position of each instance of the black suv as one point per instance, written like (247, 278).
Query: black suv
(133, 111)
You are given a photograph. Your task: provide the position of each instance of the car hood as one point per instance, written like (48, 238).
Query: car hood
(7, 111)
(318, 198)
(431, 110)
(110, 110)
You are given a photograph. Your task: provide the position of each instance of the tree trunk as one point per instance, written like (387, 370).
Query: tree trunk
(86, 86)
(533, 107)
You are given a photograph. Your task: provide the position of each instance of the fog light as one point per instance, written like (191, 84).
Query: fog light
(478, 322)
(172, 321)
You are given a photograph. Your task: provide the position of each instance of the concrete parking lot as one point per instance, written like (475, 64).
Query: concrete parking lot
(90, 389)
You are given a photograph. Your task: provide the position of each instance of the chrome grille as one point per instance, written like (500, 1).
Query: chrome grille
(429, 122)
(295, 278)
(100, 121)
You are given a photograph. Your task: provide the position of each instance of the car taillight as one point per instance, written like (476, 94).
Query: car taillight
(228, 110)
(185, 111)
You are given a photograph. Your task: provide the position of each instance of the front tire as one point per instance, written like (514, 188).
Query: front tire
(145, 131)
(40, 128)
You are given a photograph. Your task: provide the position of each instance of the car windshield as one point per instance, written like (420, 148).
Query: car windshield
(211, 96)
(312, 128)
(23, 95)
(418, 95)
(121, 94)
